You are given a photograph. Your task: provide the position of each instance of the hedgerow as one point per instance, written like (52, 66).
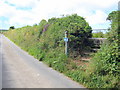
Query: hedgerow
(45, 42)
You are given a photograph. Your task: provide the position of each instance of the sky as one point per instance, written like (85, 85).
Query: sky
(20, 13)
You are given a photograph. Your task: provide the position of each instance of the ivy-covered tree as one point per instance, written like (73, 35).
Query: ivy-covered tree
(114, 17)
(78, 31)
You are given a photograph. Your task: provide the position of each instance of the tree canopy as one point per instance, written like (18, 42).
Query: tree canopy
(12, 27)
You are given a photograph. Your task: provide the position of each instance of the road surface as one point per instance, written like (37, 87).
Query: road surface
(20, 70)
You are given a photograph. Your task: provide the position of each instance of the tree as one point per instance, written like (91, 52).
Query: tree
(42, 22)
(12, 27)
(78, 31)
(114, 17)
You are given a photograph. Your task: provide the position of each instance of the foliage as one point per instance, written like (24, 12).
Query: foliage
(98, 35)
(45, 37)
(12, 27)
(78, 31)
(114, 17)
(106, 62)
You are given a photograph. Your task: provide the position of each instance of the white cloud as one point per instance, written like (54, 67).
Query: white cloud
(6, 10)
(22, 3)
(97, 17)
(98, 20)
(92, 10)
(100, 3)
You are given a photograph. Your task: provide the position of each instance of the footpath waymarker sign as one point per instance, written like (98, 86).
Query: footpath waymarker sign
(66, 42)
(66, 39)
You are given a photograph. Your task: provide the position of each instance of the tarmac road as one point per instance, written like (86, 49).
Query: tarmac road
(20, 70)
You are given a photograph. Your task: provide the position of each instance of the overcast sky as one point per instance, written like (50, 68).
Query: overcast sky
(20, 13)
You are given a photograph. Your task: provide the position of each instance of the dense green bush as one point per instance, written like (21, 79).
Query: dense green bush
(78, 32)
(11, 27)
(106, 64)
